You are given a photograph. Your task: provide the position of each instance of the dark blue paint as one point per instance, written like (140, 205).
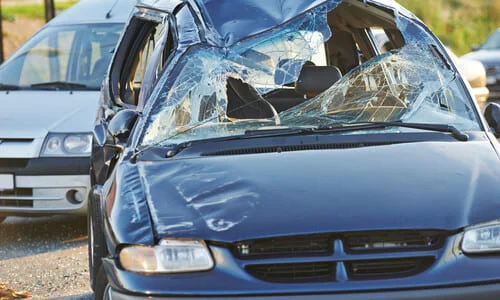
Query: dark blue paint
(436, 185)
(444, 184)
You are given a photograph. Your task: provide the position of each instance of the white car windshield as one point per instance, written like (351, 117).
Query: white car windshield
(62, 57)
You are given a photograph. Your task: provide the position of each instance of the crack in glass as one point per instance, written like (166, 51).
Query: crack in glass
(415, 84)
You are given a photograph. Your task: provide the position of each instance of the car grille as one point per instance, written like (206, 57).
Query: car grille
(393, 241)
(387, 268)
(338, 257)
(286, 246)
(294, 273)
(13, 163)
(6, 198)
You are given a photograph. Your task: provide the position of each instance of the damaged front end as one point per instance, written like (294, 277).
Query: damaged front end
(308, 68)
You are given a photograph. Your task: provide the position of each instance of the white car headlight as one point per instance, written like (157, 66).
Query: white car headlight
(483, 238)
(58, 144)
(170, 256)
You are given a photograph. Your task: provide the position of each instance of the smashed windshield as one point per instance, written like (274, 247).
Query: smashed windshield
(274, 81)
(63, 57)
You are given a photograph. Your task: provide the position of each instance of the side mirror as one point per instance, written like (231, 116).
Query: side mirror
(121, 125)
(492, 115)
(475, 48)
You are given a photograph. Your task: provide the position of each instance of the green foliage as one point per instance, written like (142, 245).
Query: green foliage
(31, 11)
(459, 24)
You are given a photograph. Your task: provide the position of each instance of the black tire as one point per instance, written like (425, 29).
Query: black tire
(97, 242)
(2, 219)
(101, 284)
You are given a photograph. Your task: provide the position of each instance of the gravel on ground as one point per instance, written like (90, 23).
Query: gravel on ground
(46, 257)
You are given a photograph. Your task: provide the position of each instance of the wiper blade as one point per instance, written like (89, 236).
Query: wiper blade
(347, 127)
(249, 134)
(9, 87)
(57, 85)
(270, 132)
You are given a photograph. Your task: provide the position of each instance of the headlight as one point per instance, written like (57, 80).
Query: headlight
(170, 256)
(58, 144)
(483, 238)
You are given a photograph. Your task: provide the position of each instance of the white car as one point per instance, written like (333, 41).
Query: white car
(49, 93)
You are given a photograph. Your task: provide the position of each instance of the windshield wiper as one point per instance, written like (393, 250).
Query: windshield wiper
(57, 85)
(271, 132)
(332, 128)
(347, 127)
(9, 87)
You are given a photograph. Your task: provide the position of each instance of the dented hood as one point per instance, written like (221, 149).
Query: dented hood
(32, 114)
(427, 185)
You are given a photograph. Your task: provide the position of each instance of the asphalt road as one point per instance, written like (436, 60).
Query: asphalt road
(46, 257)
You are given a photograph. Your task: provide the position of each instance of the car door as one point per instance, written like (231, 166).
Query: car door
(123, 84)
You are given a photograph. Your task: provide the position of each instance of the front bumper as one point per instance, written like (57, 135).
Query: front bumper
(487, 291)
(452, 276)
(45, 186)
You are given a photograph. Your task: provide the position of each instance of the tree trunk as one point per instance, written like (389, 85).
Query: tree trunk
(50, 10)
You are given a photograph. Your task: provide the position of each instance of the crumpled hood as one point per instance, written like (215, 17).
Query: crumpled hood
(32, 114)
(489, 58)
(427, 185)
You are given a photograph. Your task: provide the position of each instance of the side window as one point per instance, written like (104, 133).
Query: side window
(136, 64)
(48, 60)
(382, 40)
(158, 59)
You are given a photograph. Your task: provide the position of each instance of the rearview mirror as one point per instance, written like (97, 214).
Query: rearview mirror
(121, 125)
(492, 115)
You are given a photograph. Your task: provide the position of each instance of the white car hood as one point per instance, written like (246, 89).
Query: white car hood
(32, 114)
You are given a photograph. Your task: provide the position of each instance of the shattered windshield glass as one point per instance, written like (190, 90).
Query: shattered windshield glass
(217, 92)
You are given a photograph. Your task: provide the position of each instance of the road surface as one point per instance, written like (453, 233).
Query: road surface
(46, 257)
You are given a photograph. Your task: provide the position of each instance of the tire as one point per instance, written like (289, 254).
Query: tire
(101, 284)
(2, 219)
(96, 244)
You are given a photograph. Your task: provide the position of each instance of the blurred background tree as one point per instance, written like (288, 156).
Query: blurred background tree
(459, 24)
(22, 18)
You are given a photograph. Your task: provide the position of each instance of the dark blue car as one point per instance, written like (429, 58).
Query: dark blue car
(272, 150)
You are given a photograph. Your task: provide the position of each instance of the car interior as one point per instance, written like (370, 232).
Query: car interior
(352, 44)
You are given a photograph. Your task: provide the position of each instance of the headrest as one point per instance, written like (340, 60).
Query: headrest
(314, 80)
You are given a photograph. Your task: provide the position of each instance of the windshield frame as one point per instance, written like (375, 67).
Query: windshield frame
(402, 16)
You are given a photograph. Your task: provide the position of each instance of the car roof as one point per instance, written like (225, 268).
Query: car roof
(255, 16)
(96, 11)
